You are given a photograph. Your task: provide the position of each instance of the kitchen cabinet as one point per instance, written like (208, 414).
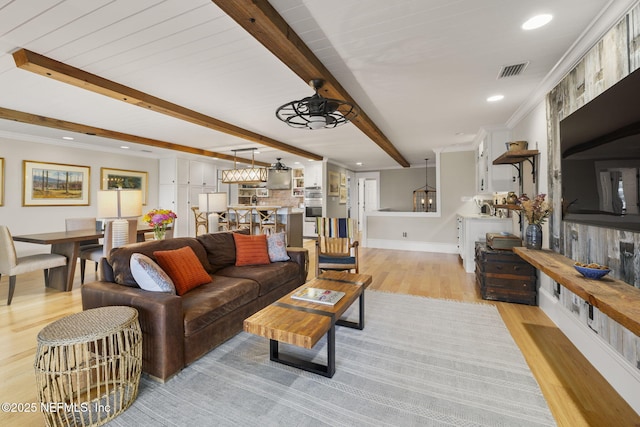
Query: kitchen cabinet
(491, 179)
(181, 181)
(502, 275)
(313, 175)
(475, 228)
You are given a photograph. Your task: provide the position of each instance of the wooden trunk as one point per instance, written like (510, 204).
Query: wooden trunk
(503, 276)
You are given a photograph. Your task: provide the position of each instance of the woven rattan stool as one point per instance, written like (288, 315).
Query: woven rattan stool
(88, 366)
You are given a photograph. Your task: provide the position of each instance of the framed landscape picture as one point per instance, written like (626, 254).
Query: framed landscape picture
(55, 184)
(343, 195)
(334, 183)
(125, 179)
(1, 181)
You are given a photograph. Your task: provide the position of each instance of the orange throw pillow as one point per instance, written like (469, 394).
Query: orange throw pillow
(183, 267)
(251, 250)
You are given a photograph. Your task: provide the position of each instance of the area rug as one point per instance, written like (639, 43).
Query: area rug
(418, 362)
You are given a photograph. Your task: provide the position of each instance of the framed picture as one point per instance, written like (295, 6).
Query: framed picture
(334, 183)
(343, 195)
(1, 181)
(55, 184)
(343, 179)
(110, 179)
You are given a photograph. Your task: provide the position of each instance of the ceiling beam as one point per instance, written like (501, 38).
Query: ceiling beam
(49, 122)
(264, 23)
(39, 64)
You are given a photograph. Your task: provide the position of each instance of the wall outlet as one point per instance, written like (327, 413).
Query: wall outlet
(404, 234)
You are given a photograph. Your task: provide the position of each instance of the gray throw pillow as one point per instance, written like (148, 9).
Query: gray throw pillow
(149, 275)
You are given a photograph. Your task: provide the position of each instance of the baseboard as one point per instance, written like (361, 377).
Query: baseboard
(408, 245)
(618, 371)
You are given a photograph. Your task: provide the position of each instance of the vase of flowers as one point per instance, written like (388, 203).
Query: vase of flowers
(159, 219)
(536, 211)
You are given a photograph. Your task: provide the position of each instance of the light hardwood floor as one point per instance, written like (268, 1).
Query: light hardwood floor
(576, 393)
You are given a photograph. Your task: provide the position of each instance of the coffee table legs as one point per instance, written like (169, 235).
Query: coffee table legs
(325, 370)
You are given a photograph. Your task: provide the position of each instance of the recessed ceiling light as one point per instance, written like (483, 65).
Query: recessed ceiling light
(495, 98)
(309, 160)
(359, 164)
(537, 22)
(124, 147)
(68, 138)
(296, 163)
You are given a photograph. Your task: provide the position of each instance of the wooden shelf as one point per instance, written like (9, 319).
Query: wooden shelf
(615, 298)
(515, 156)
(509, 206)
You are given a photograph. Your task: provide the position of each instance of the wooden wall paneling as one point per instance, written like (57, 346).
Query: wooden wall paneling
(634, 38)
(610, 60)
(607, 62)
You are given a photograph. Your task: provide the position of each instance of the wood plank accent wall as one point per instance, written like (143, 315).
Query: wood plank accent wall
(610, 60)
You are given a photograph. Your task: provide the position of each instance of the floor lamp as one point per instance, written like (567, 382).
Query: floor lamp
(212, 204)
(119, 205)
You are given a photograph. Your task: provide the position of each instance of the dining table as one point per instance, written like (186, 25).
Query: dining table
(67, 243)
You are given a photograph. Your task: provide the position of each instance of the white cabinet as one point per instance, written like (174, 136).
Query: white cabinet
(181, 181)
(313, 175)
(490, 178)
(474, 229)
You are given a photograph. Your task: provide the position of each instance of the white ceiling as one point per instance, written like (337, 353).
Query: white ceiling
(421, 69)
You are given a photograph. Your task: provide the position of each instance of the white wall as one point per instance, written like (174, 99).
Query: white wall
(39, 219)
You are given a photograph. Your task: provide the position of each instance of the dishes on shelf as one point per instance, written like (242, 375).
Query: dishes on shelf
(593, 270)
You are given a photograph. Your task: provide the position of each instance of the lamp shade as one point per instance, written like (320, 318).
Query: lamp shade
(119, 203)
(212, 202)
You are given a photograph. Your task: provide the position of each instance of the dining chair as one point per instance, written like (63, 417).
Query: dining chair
(12, 265)
(96, 254)
(201, 220)
(336, 244)
(86, 246)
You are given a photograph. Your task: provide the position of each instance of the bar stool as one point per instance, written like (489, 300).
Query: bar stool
(89, 362)
(243, 219)
(268, 220)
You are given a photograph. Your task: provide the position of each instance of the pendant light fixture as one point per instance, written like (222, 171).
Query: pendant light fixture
(316, 112)
(424, 197)
(246, 175)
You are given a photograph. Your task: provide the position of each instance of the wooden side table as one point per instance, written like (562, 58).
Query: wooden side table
(88, 366)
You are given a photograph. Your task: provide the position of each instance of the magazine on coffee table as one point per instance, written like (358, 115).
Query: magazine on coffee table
(320, 296)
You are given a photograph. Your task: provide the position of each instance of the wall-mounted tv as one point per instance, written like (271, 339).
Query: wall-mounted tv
(600, 148)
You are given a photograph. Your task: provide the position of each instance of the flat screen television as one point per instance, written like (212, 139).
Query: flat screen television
(600, 158)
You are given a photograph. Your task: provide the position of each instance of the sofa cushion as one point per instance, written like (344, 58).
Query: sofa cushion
(269, 276)
(209, 302)
(220, 248)
(119, 258)
(150, 276)
(277, 247)
(251, 250)
(184, 268)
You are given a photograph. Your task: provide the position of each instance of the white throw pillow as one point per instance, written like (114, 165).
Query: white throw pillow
(149, 275)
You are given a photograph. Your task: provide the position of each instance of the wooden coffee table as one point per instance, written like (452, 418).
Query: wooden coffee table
(303, 323)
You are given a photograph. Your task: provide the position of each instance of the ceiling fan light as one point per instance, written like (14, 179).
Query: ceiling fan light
(316, 112)
(316, 122)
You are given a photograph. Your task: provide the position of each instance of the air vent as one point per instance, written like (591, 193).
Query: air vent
(512, 70)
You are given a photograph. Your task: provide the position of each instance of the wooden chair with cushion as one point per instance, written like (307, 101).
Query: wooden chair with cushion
(73, 224)
(268, 220)
(96, 254)
(13, 265)
(336, 244)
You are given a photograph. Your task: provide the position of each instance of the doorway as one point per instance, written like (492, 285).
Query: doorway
(368, 199)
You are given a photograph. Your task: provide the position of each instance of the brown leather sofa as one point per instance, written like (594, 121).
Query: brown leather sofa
(177, 330)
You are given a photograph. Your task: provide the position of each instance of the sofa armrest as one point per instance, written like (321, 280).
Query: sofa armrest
(161, 321)
(301, 257)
